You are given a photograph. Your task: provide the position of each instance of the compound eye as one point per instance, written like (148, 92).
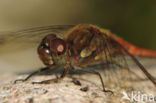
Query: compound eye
(47, 39)
(58, 45)
(45, 56)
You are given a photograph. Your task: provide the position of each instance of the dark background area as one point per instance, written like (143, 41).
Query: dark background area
(135, 21)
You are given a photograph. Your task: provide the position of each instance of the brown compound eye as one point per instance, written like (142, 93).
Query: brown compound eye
(45, 55)
(47, 39)
(58, 45)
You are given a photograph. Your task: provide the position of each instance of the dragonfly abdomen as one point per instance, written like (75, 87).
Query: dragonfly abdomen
(134, 50)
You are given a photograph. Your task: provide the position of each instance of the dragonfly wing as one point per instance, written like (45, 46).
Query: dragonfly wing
(141, 67)
(23, 39)
(115, 61)
(124, 51)
(18, 50)
(108, 57)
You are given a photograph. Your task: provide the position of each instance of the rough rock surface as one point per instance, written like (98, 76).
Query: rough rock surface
(67, 92)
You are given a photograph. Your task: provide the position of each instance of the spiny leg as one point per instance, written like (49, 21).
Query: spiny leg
(93, 72)
(56, 79)
(32, 74)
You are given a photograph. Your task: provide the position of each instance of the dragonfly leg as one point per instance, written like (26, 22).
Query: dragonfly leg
(56, 79)
(93, 72)
(32, 74)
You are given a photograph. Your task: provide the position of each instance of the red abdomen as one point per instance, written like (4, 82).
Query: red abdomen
(134, 50)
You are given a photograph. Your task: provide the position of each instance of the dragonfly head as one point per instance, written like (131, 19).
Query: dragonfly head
(52, 50)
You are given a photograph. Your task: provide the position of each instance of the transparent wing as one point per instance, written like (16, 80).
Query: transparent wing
(117, 54)
(107, 57)
(18, 49)
(10, 41)
(115, 62)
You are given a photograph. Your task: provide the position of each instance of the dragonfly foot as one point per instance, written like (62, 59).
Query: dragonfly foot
(46, 81)
(76, 82)
(108, 91)
(17, 80)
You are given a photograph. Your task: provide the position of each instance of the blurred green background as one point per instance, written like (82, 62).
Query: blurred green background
(134, 20)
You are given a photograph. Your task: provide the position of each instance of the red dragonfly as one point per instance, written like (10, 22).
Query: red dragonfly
(82, 46)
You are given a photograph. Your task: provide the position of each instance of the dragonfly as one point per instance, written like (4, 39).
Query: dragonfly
(76, 47)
